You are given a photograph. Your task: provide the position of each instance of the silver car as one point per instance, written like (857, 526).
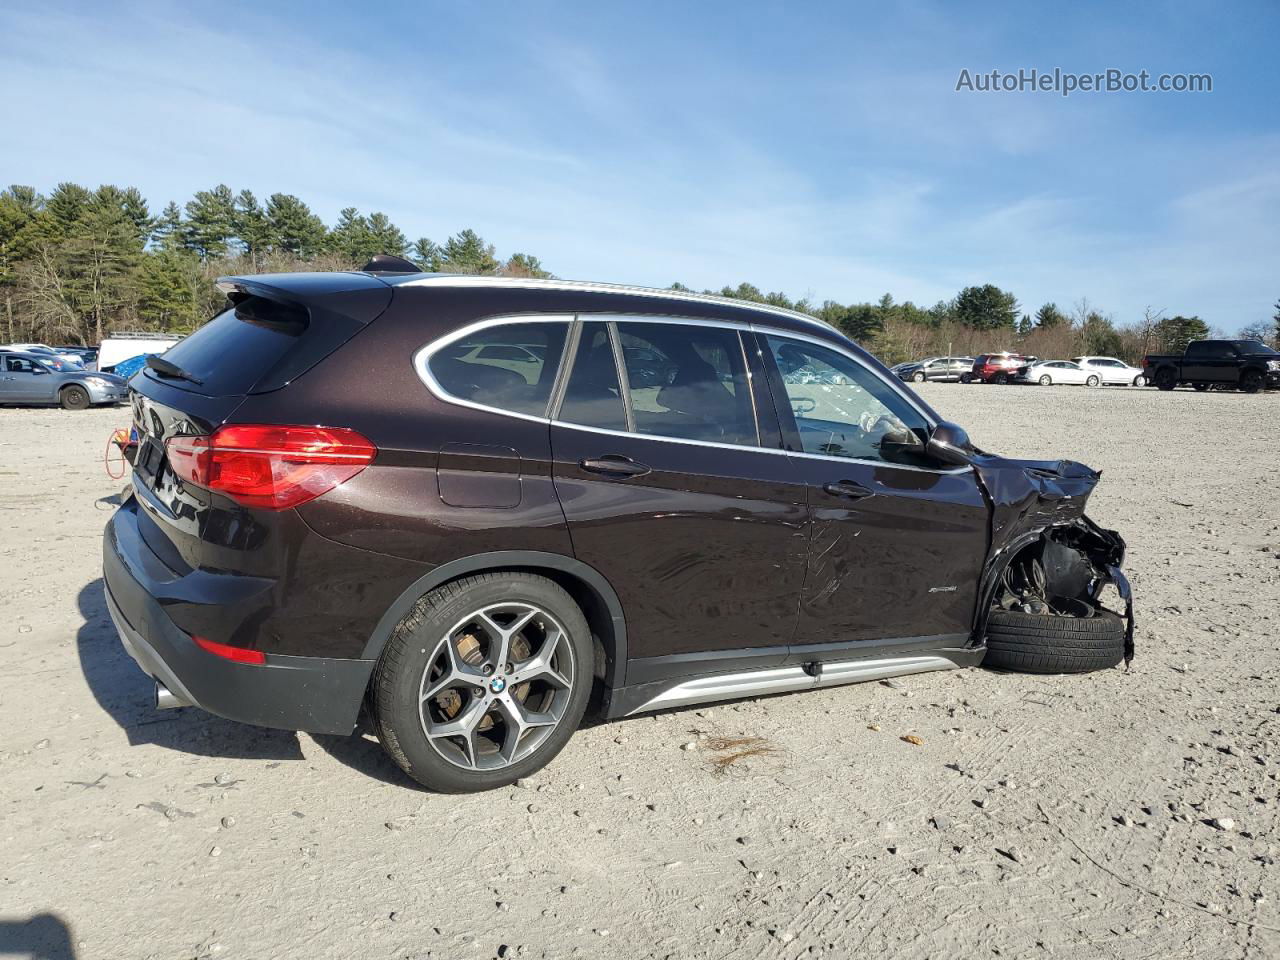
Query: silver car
(28, 378)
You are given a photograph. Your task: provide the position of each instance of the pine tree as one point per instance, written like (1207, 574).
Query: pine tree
(251, 226)
(466, 252)
(525, 265)
(1049, 316)
(210, 226)
(293, 227)
(428, 255)
(987, 308)
(385, 236)
(166, 232)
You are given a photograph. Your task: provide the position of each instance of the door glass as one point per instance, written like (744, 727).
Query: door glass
(592, 396)
(510, 366)
(842, 409)
(688, 381)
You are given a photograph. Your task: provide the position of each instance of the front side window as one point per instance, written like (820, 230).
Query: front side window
(688, 381)
(842, 409)
(509, 366)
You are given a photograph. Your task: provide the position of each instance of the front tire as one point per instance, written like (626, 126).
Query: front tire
(1041, 643)
(1200, 387)
(483, 682)
(919, 377)
(74, 397)
(1139, 381)
(1092, 381)
(1251, 382)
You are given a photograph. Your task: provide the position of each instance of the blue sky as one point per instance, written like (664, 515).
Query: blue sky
(817, 149)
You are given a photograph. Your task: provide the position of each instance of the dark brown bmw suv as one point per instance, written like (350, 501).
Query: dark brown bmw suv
(463, 502)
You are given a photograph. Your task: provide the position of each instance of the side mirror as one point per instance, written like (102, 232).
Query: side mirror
(949, 443)
(38, 370)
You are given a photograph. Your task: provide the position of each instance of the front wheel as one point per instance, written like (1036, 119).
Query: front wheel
(1092, 381)
(1000, 378)
(1139, 381)
(74, 397)
(483, 682)
(1200, 387)
(1251, 382)
(918, 377)
(1046, 381)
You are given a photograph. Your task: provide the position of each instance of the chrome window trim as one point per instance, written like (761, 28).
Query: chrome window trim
(423, 356)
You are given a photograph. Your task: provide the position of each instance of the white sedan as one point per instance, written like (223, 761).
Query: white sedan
(1048, 372)
(1111, 370)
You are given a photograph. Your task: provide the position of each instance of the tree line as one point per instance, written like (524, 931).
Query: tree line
(79, 263)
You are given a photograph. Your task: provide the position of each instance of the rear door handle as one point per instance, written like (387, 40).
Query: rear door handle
(848, 489)
(613, 465)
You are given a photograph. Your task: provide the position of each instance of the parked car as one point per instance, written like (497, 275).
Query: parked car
(125, 345)
(999, 367)
(88, 356)
(34, 378)
(1048, 372)
(1247, 365)
(1112, 371)
(469, 550)
(66, 356)
(950, 369)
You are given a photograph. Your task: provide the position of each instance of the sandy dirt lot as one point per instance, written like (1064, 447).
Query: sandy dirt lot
(1112, 815)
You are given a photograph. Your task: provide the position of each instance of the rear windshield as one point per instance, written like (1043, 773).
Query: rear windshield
(234, 350)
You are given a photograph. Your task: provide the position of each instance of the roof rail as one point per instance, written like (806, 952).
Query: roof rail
(142, 335)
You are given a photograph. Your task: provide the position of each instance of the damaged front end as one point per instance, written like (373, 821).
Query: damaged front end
(1046, 556)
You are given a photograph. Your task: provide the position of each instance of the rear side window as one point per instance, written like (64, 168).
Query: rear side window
(688, 381)
(510, 366)
(234, 350)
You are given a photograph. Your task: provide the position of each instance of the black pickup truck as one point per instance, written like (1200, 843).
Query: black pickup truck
(1247, 365)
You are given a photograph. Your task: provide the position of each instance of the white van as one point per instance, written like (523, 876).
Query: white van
(125, 345)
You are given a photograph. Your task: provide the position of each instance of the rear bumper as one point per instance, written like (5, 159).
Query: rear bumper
(315, 694)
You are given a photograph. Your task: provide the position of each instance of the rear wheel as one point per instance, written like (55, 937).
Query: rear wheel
(1036, 643)
(1092, 380)
(74, 397)
(1251, 382)
(1046, 380)
(1166, 379)
(966, 378)
(1202, 387)
(483, 682)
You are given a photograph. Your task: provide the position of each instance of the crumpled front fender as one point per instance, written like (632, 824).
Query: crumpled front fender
(1031, 499)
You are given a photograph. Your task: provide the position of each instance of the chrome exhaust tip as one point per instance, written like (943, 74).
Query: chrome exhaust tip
(166, 699)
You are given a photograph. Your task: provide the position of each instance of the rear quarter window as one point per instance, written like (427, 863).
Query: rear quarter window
(508, 366)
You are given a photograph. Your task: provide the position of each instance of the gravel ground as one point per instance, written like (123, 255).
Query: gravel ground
(1111, 815)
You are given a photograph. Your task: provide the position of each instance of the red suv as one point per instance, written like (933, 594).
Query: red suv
(998, 367)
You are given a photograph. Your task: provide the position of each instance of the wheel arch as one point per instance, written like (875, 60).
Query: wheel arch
(586, 585)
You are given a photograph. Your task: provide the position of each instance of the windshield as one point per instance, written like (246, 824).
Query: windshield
(1252, 346)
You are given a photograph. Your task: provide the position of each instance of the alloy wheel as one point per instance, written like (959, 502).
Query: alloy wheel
(496, 686)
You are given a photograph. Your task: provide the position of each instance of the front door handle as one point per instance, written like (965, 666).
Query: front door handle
(848, 489)
(613, 465)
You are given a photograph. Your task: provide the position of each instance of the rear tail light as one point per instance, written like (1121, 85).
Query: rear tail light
(269, 466)
(228, 652)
